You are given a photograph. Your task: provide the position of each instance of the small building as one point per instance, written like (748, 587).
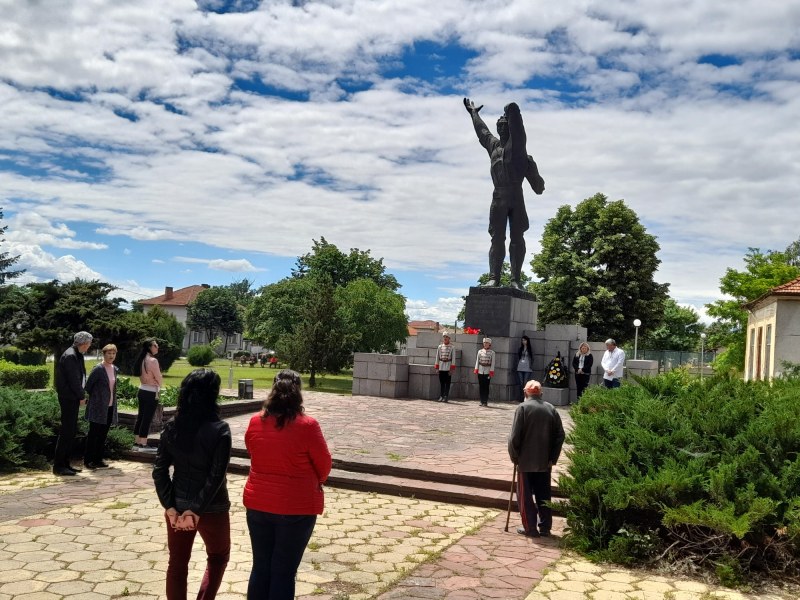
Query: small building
(773, 332)
(176, 302)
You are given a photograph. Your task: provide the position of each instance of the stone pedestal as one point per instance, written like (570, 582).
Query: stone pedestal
(556, 396)
(641, 367)
(500, 312)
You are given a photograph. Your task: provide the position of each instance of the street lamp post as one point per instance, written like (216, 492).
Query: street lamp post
(702, 353)
(636, 323)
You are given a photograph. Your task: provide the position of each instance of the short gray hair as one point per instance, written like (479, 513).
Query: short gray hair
(611, 341)
(82, 337)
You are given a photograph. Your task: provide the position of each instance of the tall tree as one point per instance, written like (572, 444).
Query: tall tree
(243, 291)
(680, 330)
(763, 271)
(793, 253)
(276, 310)
(320, 340)
(374, 316)
(596, 267)
(343, 268)
(216, 312)
(6, 261)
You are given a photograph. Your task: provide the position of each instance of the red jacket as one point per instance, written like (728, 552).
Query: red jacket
(287, 466)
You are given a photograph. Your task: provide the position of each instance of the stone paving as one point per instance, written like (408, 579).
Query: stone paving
(101, 534)
(457, 438)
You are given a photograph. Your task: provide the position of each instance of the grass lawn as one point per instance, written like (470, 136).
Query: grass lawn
(262, 376)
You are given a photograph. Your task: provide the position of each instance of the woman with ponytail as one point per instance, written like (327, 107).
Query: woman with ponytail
(146, 368)
(289, 462)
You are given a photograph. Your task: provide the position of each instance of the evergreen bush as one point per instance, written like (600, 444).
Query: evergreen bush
(29, 423)
(201, 355)
(686, 467)
(27, 377)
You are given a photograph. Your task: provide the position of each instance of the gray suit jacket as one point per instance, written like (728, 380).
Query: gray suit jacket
(99, 395)
(536, 436)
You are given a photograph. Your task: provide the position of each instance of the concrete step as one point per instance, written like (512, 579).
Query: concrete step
(397, 481)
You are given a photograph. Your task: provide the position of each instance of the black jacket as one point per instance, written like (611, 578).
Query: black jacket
(70, 375)
(588, 361)
(198, 481)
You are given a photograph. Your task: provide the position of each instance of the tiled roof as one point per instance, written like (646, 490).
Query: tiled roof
(434, 325)
(790, 288)
(181, 297)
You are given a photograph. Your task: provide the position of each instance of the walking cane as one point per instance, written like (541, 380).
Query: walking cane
(511, 495)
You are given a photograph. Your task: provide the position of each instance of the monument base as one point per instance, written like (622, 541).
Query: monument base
(501, 311)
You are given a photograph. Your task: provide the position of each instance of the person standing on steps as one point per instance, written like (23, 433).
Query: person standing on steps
(148, 370)
(70, 377)
(484, 369)
(582, 366)
(612, 362)
(524, 365)
(101, 407)
(534, 445)
(445, 365)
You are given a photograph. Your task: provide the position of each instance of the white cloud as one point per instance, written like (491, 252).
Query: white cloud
(240, 265)
(161, 147)
(444, 310)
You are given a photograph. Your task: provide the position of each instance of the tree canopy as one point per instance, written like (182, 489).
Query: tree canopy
(679, 330)
(343, 268)
(216, 312)
(364, 313)
(597, 268)
(763, 271)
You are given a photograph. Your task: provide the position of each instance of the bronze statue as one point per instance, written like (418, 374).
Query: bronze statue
(510, 164)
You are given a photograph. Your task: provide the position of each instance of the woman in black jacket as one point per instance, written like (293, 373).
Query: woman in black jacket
(582, 367)
(197, 444)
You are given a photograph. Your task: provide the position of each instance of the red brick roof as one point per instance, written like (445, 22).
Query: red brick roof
(790, 288)
(181, 297)
(432, 325)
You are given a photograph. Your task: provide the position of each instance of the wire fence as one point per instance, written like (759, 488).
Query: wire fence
(671, 359)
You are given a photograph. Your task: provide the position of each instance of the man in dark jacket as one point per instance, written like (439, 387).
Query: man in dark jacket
(534, 445)
(70, 378)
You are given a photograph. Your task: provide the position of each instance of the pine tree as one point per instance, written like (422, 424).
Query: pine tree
(6, 261)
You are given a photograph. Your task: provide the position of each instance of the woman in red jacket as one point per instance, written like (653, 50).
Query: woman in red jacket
(289, 462)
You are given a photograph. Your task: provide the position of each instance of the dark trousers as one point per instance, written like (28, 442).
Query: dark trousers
(530, 486)
(611, 383)
(444, 383)
(96, 439)
(523, 377)
(215, 529)
(278, 543)
(147, 408)
(483, 388)
(66, 435)
(581, 382)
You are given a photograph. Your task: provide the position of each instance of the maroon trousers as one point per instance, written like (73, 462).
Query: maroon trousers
(215, 529)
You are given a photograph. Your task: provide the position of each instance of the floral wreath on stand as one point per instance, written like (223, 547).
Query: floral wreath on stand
(557, 375)
(471, 330)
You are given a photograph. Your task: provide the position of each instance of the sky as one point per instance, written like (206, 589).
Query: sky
(155, 144)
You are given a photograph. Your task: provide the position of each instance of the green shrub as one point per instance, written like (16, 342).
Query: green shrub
(168, 396)
(30, 378)
(200, 356)
(709, 468)
(23, 357)
(127, 391)
(28, 423)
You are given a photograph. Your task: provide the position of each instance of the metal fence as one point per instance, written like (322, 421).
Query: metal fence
(670, 359)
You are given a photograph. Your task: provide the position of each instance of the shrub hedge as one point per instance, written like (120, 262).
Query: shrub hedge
(23, 357)
(28, 377)
(200, 356)
(681, 467)
(29, 423)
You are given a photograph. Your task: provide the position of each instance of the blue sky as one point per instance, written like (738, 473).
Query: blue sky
(156, 144)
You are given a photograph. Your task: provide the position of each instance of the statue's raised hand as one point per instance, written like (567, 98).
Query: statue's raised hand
(470, 106)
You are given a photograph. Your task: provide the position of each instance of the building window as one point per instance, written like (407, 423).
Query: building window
(767, 353)
(759, 350)
(197, 337)
(752, 354)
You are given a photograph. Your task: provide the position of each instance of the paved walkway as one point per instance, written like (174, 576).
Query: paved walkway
(457, 438)
(102, 535)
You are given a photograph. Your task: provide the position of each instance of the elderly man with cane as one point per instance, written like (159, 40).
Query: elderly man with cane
(534, 446)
